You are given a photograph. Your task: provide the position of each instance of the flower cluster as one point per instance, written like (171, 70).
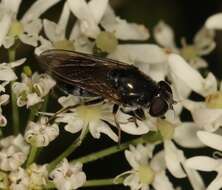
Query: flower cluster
(157, 153)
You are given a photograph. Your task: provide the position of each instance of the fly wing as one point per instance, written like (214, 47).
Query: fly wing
(83, 70)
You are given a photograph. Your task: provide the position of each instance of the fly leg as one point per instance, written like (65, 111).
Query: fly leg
(115, 110)
(139, 114)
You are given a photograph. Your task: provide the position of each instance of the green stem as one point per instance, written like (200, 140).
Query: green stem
(101, 182)
(32, 156)
(91, 183)
(15, 112)
(69, 150)
(108, 151)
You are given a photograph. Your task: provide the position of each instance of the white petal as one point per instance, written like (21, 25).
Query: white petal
(195, 179)
(64, 18)
(129, 31)
(158, 163)
(122, 29)
(88, 23)
(216, 184)
(214, 21)
(209, 119)
(30, 40)
(45, 45)
(185, 135)
(203, 163)
(161, 182)
(204, 41)
(132, 128)
(164, 35)
(17, 63)
(33, 27)
(142, 53)
(210, 139)
(33, 99)
(98, 8)
(7, 74)
(12, 5)
(38, 8)
(5, 23)
(192, 78)
(131, 159)
(100, 127)
(4, 99)
(3, 121)
(69, 100)
(173, 159)
(52, 32)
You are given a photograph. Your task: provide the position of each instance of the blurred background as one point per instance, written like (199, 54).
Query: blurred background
(186, 18)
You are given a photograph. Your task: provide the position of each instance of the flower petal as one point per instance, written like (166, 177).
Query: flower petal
(122, 29)
(142, 53)
(7, 74)
(195, 179)
(202, 163)
(210, 139)
(158, 163)
(173, 159)
(216, 184)
(82, 11)
(209, 119)
(12, 5)
(164, 35)
(38, 8)
(185, 135)
(214, 22)
(192, 78)
(98, 8)
(64, 17)
(52, 32)
(5, 23)
(161, 182)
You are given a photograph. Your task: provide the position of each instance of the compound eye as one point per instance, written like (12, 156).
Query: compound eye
(165, 86)
(158, 107)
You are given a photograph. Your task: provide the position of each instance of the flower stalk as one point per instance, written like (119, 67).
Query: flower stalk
(77, 142)
(32, 156)
(15, 111)
(114, 149)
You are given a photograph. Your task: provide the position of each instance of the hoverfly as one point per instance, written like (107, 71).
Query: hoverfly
(115, 81)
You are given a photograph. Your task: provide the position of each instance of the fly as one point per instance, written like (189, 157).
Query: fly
(115, 81)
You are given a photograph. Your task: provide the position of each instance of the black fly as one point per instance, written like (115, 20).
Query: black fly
(118, 82)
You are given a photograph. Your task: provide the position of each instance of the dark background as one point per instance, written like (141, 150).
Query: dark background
(186, 18)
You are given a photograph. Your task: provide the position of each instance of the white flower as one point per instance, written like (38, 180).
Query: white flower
(91, 116)
(6, 70)
(19, 179)
(182, 74)
(27, 29)
(38, 176)
(32, 90)
(207, 114)
(97, 11)
(13, 152)
(68, 176)
(56, 34)
(40, 134)
(203, 44)
(145, 171)
(207, 164)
